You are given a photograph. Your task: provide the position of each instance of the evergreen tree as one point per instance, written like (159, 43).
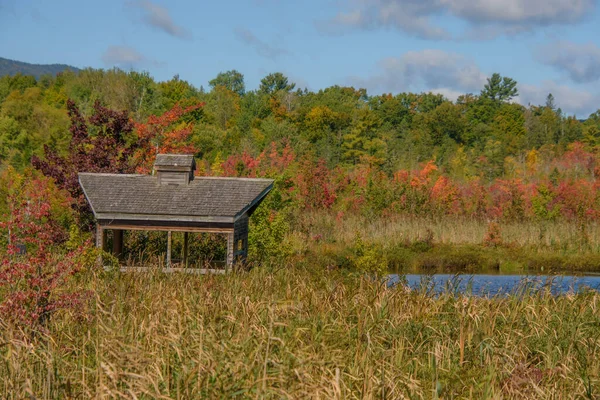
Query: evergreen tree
(500, 89)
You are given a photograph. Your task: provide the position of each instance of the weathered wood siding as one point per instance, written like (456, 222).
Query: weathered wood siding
(173, 178)
(240, 238)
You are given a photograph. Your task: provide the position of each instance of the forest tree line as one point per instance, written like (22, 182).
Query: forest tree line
(339, 148)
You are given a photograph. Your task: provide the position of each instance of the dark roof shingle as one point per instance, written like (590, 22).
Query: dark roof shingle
(123, 194)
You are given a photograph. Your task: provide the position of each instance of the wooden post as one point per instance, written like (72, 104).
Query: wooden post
(117, 243)
(104, 239)
(245, 248)
(240, 234)
(99, 243)
(185, 249)
(230, 244)
(169, 240)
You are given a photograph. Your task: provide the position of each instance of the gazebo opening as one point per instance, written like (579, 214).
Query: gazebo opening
(176, 210)
(190, 250)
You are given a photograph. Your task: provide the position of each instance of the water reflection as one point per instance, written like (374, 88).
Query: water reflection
(492, 285)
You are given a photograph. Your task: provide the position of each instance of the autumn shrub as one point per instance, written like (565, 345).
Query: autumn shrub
(267, 236)
(32, 287)
(493, 236)
(445, 197)
(367, 257)
(455, 259)
(314, 187)
(34, 271)
(421, 192)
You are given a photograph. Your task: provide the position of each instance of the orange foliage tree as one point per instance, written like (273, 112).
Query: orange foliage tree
(166, 133)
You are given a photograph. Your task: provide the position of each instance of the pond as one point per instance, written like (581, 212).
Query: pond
(491, 285)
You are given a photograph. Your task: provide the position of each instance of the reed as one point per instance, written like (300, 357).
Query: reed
(561, 234)
(292, 332)
(448, 244)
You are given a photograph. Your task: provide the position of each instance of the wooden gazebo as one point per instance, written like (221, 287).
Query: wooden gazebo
(173, 200)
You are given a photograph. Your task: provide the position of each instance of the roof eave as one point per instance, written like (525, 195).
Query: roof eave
(254, 203)
(86, 195)
(165, 218)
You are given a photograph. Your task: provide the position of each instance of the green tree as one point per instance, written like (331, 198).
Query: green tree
(275, 82)
(223, 105)
(147, 99)
(537, 133)
(550, 102)
(390, 109)
(232, 80)
(362, 139)
(319, 123)
(274, 130)
(591, 129)
(29, 124)
(13, 141)
(571, 130)
(446, 121)
(17, 82)
(177, 91)
(500, 89)
(509, 127)
(252, 110)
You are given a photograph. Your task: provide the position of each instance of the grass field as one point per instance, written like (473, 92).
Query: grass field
(295, 332)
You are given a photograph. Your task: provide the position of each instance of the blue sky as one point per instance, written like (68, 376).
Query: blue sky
(445, 46)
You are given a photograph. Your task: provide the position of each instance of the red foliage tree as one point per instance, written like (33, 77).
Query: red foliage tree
(509, 200)
(577, 199)
(474, 199)
(578, 160)
(273, 162)
(34, 283)
(99, 144)
(314, 187)
(243, 165)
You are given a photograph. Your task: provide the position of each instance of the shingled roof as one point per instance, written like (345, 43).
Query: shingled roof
(140, 197)
(183, 160)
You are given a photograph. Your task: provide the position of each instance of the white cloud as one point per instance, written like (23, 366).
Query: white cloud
(159, 18)
(580, 61)
(433, 70)
(487, 18)
(520, 12)
(452, 75)
(262, 48)
(122, 56)
(128, 58)
(571, 100)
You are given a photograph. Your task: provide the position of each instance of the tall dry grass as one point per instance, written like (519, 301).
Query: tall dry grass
(563, 235)
(448, 244)
(290, 332)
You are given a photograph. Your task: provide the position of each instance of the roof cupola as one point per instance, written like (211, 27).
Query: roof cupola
(174, 169)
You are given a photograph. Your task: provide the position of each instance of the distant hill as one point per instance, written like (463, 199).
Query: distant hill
(12, 67)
